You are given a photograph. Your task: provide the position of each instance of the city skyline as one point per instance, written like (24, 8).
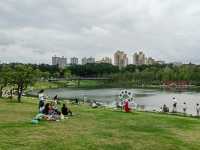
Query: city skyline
(33, 31)
(79, 60)
(112, 60)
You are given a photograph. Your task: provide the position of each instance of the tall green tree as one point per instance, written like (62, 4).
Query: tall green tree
(24, 75)
(5, 78)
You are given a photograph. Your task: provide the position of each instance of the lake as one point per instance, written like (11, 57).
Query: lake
(149, 99)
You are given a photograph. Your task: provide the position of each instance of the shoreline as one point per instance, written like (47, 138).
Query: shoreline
(88, 86)
(180, 114)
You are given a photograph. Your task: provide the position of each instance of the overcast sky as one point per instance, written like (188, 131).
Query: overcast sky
(34, 30)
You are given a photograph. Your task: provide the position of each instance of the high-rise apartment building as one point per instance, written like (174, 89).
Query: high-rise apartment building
(139, 58)
(88, 60)
(150, 61)
(74, 61)
(60, 61)
(135, 59)
(84, 61)
(106, 60)
(120, 59)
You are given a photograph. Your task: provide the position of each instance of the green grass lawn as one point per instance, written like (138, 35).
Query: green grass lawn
(95, 129)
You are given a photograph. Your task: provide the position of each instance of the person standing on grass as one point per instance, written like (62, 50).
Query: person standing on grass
(198, 109)
(41, 99)
(56, 99)
(126, 106)
(174, 110)
(76, 100)
(184, 108)
(84, 99)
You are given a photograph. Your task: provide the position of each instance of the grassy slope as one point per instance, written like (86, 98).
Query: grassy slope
(93, 129)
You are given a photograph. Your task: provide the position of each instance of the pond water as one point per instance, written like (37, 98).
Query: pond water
(149, 99)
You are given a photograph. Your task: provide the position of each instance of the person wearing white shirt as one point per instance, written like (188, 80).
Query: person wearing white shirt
(94, 104)
(41, 100)
(184, 108)
(84, 99)
(174, 110)
(198, 109)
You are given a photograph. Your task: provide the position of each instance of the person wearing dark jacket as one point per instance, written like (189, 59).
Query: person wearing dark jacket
(65, 110)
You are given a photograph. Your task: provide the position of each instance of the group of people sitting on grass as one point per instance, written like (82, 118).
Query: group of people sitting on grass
(184, 107)
(50, 111)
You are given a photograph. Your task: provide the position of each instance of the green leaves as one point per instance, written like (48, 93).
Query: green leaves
(19, 76)
(150, 74)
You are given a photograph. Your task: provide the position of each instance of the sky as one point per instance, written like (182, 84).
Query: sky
(32, 31)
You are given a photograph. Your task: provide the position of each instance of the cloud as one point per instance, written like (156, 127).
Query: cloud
(5, 40)
(34, 30)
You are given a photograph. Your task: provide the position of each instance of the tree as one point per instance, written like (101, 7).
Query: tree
(93, 70)
(168, 74)
(131, 68)
(67, 73)
(23, 75)
(45, 75)
(5, 78)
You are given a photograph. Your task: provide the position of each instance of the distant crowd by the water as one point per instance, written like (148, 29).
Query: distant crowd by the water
(175, 105)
